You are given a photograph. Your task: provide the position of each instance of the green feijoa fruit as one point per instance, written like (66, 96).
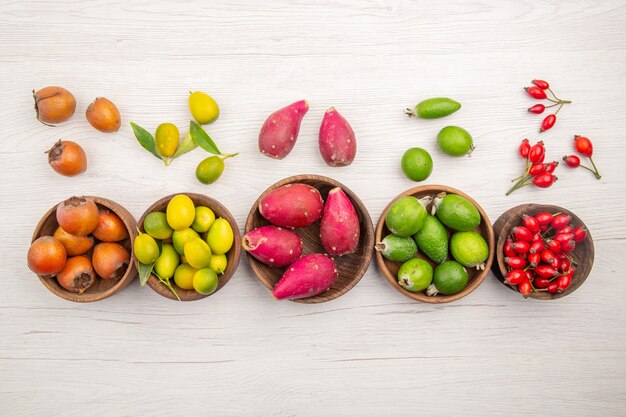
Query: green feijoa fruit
(417, 164)
(455, 141)
(432, 239)
(434, 108)
(180, 237)
(456, 212)
(155, 224)
(415, 275)
(167, 262)
(396, 248)
(406, 216)
(469, 249)
(449, 278)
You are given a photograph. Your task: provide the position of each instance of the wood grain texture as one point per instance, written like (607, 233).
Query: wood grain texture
(475, 276)
(370, 352)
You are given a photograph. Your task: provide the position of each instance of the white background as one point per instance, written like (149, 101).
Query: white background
(371, 352)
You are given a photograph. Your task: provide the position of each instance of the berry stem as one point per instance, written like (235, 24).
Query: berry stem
(596, 173)
(526, 180)
(559, 109)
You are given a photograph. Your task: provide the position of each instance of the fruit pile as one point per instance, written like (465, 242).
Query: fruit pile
(186, 243)
(278, 245)
(536, 172)
(87, 244)
(538, 253)
(412, 227)
(538, 92)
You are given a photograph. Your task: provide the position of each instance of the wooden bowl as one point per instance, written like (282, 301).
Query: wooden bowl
(390, 269)
(232, 255)
(102, 288)
(583, 253)
(350, 267)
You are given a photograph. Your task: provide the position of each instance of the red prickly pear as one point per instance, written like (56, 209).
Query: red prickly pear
(339, 228)
(292, 205)
(306, 277)
(336, 139)
(273, 245)
(279, 133)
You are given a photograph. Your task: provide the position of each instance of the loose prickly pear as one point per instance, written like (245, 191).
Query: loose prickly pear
(292, 205)
(306, 277)
(336, 139)
(279, 133)
(273, 245)
(339, 228)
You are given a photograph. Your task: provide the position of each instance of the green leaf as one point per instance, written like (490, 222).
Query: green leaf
(187, 145)
(144, 272)
(202, 138)
(145, 139)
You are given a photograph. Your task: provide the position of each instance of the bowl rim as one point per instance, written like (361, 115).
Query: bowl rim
(420, 296)
(231, 268)
(359, 206)
(498, 267)
(131, 271)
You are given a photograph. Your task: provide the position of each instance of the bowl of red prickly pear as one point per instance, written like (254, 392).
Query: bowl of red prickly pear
(81, 249)
(308, 239)
(543, 251)
(434, 244)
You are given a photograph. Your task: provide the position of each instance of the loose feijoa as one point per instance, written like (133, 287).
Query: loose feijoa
(180, 212)
(180, 237)
(183, 276)
(103, 115)
(469, 249)
(406, 216)
(67, 158)
(146, 249)
(340, 229)
(455, 141)
(46, 256)
(415, 275)
(74, 245)
(110, 227)
(456, 212)
(205, 281)
(218, 263)
(336, 139)
(110, 260)
(78, 215)
(203, 220)
(279, 133)
(155, 224)
(168, 260)
(417, 164)
(220, 237)
(166, 138)
(197, 253)
(434, 108)
(77, 275)
(203, 107)
(432, 240)
(54, 105)
(449, 278)
(396, 248)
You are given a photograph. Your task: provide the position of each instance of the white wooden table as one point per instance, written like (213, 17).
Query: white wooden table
(371, 352)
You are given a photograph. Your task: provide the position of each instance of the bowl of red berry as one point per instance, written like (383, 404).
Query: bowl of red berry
(543, 251)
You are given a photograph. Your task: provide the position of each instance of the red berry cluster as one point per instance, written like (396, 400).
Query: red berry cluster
(537, 253)
(536, 172)
(538, 91)
(584, 147)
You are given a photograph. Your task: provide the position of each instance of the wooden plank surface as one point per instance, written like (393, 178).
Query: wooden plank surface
(371, 352)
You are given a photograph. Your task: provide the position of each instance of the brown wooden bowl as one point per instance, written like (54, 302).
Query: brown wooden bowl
(102, 288)
(390, 268)
(583, 253)
(232, 255)
(350, 267)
